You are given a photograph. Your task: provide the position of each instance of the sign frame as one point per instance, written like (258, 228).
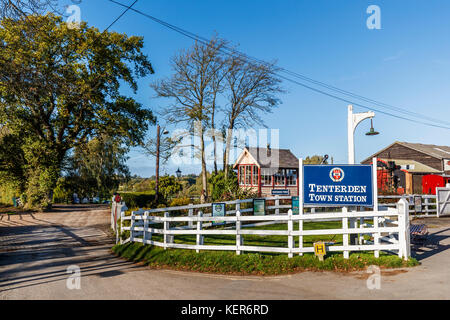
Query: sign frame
(373, 184)
(281, 192)
(418, 203)
(223, 206)
(320, 245)
(258, 212)
(301, 191)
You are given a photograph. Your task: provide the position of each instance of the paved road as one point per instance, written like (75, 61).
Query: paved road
(37, 249)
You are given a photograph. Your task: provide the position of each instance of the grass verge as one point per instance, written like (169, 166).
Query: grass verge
(224, 262)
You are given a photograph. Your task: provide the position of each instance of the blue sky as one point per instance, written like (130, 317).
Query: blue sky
(405, 64)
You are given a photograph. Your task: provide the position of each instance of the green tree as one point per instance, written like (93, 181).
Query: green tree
(100, 164)
(60, 87)
(169, 186)
(315, 159)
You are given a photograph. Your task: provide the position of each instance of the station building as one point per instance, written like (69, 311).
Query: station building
(268, 171)
(412, 168)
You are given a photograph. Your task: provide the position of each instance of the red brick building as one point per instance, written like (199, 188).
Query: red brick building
(264, 169)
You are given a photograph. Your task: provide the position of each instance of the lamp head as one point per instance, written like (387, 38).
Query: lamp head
(372, 131)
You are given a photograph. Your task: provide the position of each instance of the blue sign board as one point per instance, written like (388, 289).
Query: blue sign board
(338, 185)
(280, 192)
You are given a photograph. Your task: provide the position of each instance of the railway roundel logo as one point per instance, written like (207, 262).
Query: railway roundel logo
(337, 174)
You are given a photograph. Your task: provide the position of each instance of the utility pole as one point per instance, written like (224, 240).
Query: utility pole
(157, 162)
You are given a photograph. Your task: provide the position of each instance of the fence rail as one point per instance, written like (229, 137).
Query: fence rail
(428, 203)
(390, 234)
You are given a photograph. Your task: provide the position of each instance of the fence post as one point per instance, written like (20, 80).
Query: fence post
(166, 227)
(345, 235)
(376, 237)
(403, 235)
(144, 234)
(290, 237)
(122, 215)
(427, 201)
(199, 228)
(112, 215)
(117, 229)
(191, 214)
(277, 205)
(238, 232)
(133, 217)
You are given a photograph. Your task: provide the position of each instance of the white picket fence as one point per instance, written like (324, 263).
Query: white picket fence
(389, 229)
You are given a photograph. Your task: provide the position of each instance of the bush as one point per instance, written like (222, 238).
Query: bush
(139, 199)
(177, 202)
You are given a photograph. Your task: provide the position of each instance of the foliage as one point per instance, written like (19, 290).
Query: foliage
(99, 165)
(59, 87)
(315, 159)
(222, 188)
(169, 186)
(12, 160)
(139, 199)
(178, 202)
(251, 263)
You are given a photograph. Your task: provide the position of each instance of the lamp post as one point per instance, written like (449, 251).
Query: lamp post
(353, 119)
(178, 172)
(158, 143)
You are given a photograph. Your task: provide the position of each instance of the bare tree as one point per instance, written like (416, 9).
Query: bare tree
(17, 9)
(192, 88)
(251, 89)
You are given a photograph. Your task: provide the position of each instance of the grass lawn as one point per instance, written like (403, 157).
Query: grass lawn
(227, 262)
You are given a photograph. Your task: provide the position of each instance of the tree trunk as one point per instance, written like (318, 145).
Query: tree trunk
(227, 152)
(204, 194)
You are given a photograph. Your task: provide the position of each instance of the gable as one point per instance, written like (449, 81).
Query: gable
(399, 151)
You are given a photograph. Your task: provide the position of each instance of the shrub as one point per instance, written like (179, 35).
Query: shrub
(139, 200)
(177, 202)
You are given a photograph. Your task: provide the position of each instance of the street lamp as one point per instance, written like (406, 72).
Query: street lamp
(353, 119)
(178, 172)
(372, 131)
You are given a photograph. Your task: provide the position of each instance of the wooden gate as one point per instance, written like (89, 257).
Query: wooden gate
(443, 201)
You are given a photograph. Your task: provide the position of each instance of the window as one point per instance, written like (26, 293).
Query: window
(255, 176)
(291, 177)
(241, 174)
(280, 178)
(266, 177)
(248, 175)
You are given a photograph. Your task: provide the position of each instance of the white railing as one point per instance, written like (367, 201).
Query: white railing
(389, 230)
(428, 203)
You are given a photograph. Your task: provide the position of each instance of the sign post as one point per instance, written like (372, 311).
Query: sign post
(259, 207)
(320, 250)
(338, 186)
(218, 210)
(418, 204)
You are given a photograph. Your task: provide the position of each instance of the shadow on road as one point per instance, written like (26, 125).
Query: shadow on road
(432, 246)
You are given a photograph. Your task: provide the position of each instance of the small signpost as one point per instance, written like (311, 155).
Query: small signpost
(218, 210)
(259, 207)
(295, 205)
(418, 204)
(320, 249)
